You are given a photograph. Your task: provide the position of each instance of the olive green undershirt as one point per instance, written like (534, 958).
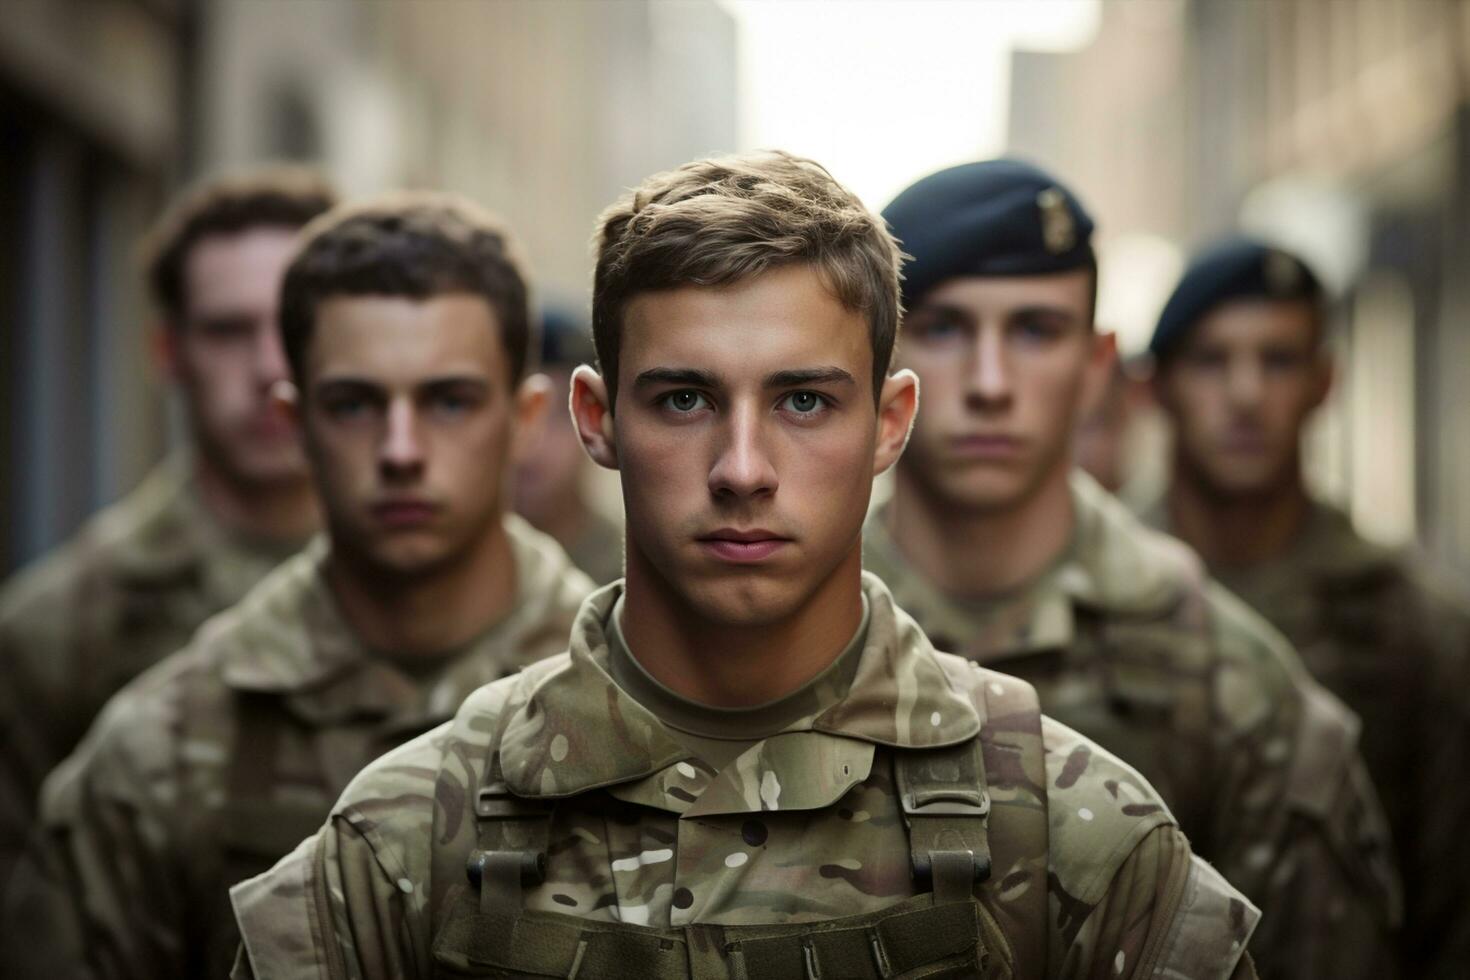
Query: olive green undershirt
(717, 736)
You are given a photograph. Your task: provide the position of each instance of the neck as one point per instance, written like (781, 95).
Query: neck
(279, 511)
(732, 665)
(1235, 529)
(430, 612)
(563, 517)
(978, 552)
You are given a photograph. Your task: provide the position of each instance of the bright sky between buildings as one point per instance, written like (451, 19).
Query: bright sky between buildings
(885, 91)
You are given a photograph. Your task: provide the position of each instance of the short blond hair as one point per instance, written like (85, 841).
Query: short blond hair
(719, 221)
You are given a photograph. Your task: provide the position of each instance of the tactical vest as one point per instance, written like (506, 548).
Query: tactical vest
(251, 829)
(954, 928)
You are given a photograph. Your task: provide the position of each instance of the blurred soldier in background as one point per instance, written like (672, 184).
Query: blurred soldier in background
(1241, 366)
(1008, 555)
(1100, 444)
(406, 324)
(138, 579)
(750, 763)
(550, 475)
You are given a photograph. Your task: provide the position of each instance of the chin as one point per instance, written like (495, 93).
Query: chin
(989, 491)
(265, 467)
(748, 601)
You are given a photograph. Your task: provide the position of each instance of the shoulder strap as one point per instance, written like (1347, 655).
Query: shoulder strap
(1013, 769)
(512, 837)
(945, 808)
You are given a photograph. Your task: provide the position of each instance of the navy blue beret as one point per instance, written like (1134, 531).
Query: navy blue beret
(1236, 268)
(994, 218)
(566, 340)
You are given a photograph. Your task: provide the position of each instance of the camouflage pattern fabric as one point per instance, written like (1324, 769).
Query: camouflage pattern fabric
(130, 588)
(598, 548)
(676, 867)
(215, 763)
(1129, 643)
(1386, 634)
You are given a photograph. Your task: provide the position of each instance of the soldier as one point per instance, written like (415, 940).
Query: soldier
(550, 478)
(141, 576)
(1241, 367)
(406, 324)
(1006, 554)
(750, 763)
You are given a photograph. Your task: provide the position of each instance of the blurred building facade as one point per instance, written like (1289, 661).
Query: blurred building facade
(1341, 129)
(542, 110)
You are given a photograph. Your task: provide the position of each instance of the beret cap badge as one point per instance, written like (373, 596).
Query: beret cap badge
(1282, 272)
(1058, 229)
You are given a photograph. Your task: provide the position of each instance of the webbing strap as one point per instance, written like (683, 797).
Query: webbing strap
(889, 943)
(945, 807)
(513, 835)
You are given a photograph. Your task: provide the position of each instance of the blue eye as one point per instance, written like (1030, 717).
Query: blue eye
(452, 404)
(685, 400)
(347, 407)
(942, 328)
(804, 402)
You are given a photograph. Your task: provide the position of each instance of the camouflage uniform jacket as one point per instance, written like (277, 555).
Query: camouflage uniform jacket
(1130, 644)
(215, 763)
(796, 860)
(1386, 635)
(128, 589)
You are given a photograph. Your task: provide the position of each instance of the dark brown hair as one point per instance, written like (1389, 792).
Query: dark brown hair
(719, 221)
(277, 197)
(416, 245)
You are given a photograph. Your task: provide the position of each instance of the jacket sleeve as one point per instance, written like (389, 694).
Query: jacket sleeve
(1303, 833)
(345, 905)
(97, 892)
(1165, 913)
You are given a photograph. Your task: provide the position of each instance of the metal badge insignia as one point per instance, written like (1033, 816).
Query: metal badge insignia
(1282, 272)
(1058, 229)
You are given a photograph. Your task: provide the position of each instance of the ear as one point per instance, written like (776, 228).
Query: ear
(286, 399)
(592, 415)
(164, 343)
(1097, 376)
(532, 400)
(898, 406)
(1326, 371)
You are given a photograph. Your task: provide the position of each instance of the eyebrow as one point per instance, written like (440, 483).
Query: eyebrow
(676, 376)
(1045, 309)
(809, 376)
(793, 378)
(427, 384)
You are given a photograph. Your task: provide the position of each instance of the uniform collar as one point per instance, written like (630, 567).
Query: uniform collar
(1113, 566)
(576, 730)
(1326, 548)
(165, 533)
(288, 637)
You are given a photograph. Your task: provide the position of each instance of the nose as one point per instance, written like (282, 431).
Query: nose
(743, 467)
(989, 377)
(401, 454)
(270, 356)
(1245, 381)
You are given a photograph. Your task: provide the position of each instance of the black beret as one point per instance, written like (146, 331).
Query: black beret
(994, 218)
(1236, 268)
(566, 340)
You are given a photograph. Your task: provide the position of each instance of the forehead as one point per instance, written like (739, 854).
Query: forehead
(400, 340)
(1071, 290)
(780, 320)
(240, 269)
(1256, 322)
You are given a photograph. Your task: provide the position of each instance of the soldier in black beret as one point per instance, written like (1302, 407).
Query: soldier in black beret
(1008, 555)
(1241, 369)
